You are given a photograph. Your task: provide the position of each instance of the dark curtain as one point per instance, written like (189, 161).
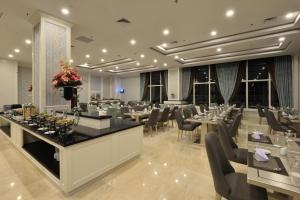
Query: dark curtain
(145, 85)
(191, 85)
(165, 85)
(241, 71)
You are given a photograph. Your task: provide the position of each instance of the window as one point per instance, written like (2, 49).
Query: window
(256, 86)
(156, 87)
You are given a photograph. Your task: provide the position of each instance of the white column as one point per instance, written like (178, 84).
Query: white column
(51, 44)
(174, 84)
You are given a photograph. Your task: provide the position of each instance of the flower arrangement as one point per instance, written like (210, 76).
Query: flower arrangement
(67, 76)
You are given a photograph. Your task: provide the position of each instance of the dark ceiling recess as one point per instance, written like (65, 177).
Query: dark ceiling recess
(124, 20)
(84, 39)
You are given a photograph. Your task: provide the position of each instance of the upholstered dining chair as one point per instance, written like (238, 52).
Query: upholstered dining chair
(194, 110)
(184, 126)
(164, 117)
(187, 112)
(274, 125)
(234, 126)
(152, 120)
(228, 183)
(202, 108)
(172, 114)
(232, 151)
(261, 113)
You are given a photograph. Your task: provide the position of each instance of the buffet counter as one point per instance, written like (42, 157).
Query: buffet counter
(79, 157)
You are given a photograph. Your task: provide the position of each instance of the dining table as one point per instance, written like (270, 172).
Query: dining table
(281, 173)
(138, 115)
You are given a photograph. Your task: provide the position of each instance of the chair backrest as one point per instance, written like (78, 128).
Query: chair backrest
(179, 119)
(138, 108)
(153, 118)
(157, 105)
(202, 108)
(187, 112)
(83, 107)
(206, 107)
(123, 110)
(273, 122)
(266, 111)
(226, 140)
(165, 115)
(235, 124)
(194, 110)
(260, 111)
(219, 164)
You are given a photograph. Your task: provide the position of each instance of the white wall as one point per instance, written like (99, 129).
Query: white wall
(174, 84)
(24, 82)
(8, 82)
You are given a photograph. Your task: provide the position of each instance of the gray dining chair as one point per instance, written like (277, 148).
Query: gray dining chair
(261, 113)
(274, 125)
(184, 126)
(151, 122)
(187, 112)
(172, 115)
(234, 126)
(164, 117)
(194, 110)
(228, 183)
(202, 107)
(232, 151)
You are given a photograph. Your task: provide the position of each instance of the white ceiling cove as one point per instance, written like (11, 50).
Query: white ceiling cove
(252, 32)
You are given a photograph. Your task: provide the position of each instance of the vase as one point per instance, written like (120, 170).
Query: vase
(68, 93)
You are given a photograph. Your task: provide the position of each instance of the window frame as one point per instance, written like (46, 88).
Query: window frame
(160, 86)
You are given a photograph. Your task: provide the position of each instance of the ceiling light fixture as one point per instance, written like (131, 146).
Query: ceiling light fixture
(100, 70)
(219, 49)
(65, 11)
(138, 64)
(176, 57)
(142, 56)
(164, 45)
(281, 39)
(229, 13)
(213, 33)
(17, 50)
(71, 61)
(117, 67)
(102, 60)
(155, 61)
(104, 50)
(165, 64)
(166, 31)
(10, 55)
(133, 42)
(27, 41)
(289, 15)
(87, 56)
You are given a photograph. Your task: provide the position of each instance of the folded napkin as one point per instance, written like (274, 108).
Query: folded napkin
(256, 135)
(284, 113)
(260, 155)
(292, 117)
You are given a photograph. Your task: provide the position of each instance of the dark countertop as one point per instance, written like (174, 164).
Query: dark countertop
(82, 133)
(89, 115)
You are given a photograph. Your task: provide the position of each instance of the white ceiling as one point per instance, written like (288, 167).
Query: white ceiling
(245, 35)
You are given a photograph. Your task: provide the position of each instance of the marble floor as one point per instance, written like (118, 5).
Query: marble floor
(167, 170)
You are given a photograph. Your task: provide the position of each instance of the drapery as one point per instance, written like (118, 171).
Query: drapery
(145, 81)
(227, 75)
(283, 74)
(186, 83)
(165, 85)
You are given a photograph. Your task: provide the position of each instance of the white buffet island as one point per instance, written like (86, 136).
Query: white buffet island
(88, 153)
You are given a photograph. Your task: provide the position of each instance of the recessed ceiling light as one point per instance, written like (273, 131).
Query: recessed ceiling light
(289, 15)
(219, 49)
(166, 31)
(213, 33)
(117, 67)
(132, 42)
(87, 56)
(138, 64)
(100, 70)
(165, 64)
(65, 11)
(17, 50)
(229, 13)
(71, 61)
(102, 60)
(281, 39)
(27, 41)
(155, 61)
(10, 55)
(104, 50)
(142, 56)
(85, 64)
(164, 45)
(176, 57)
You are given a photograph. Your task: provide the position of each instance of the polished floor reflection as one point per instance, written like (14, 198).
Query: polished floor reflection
(167, 170)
